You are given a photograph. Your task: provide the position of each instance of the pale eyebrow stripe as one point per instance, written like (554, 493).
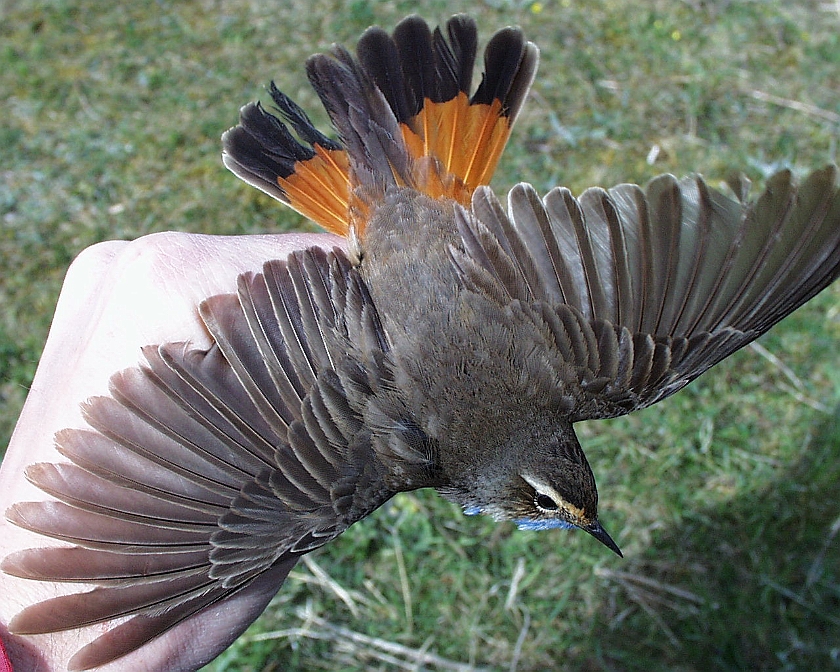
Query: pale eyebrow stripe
(545, 489)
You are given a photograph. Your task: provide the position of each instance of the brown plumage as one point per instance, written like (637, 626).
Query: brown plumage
(453, 347)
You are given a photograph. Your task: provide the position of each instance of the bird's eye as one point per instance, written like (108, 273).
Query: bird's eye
(545, 502)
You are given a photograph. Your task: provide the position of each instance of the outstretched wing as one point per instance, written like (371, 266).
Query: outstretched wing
(641, 291)
(207, 468)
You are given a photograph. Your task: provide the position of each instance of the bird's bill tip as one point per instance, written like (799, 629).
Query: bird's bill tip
(601, 535)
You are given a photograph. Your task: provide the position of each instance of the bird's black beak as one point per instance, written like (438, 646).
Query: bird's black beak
(601, 535)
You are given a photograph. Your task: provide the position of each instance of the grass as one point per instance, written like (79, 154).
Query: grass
(724, 498)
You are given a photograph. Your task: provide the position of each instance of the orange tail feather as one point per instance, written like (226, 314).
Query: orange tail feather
(405, 117)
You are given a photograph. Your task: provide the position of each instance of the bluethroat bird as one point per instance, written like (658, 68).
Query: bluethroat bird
(451, 344)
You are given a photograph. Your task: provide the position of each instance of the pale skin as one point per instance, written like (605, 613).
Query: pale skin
(117, 297)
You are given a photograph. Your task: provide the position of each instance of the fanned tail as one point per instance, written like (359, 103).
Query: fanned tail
(403, 111)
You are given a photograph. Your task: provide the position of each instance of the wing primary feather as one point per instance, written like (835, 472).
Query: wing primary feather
(689, 250)
(722, 236)
(569, 213)
(287, 312)
(86, 491)
(529, 241)
(665, 204)
(103, 531)
(113, 462)
(801, 244)
(186, 392)
(225, 319)
(75, 564)
(491, 247)
(259, 313)
(762, 225)
(156, 443)
(632, 210)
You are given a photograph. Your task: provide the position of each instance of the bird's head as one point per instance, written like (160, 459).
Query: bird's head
(539, 481)
(566, 499)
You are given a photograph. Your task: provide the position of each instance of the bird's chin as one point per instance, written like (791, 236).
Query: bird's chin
(553, 524)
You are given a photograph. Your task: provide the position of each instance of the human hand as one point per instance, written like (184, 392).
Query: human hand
(116, 298)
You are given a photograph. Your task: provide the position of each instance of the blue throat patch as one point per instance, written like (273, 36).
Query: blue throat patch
(538, 525)
(526, 523)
